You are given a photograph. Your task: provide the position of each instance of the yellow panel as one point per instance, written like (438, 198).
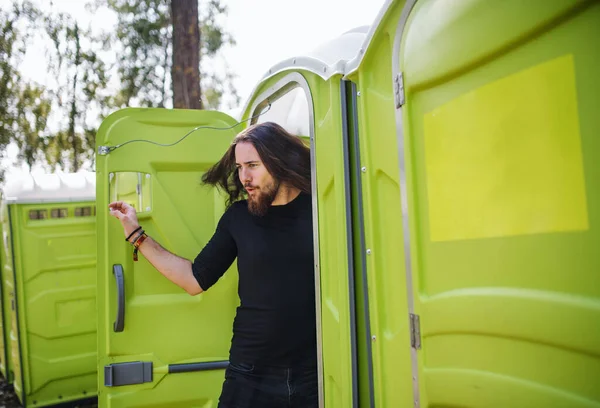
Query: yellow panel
(505, 159)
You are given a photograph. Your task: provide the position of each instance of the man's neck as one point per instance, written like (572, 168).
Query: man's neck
(285, 195)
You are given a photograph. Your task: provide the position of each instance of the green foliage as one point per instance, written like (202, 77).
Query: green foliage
(213, 35)
(32, 111)
(142, 41)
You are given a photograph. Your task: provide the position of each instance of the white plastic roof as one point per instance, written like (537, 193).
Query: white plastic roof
(326, 60)
(329, 58)
(341, 48)
(51, 188)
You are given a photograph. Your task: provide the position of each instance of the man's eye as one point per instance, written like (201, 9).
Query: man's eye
(253, 165)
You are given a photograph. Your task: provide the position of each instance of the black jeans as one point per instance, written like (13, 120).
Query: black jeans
(249, 386)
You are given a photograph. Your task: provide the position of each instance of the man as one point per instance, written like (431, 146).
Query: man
(273, 352)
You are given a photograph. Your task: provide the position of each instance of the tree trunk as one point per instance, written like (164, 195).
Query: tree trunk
(185, 72)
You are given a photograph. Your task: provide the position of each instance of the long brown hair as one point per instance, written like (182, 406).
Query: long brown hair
(285, 156)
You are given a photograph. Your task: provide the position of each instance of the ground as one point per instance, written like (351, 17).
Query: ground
(8, 398)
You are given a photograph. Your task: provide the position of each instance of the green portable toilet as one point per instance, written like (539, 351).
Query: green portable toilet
(156, 344)
(478, 126)
(49, 274)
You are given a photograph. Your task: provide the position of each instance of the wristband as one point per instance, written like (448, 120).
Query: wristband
(137, 244)
(139, 234)
(133, 232)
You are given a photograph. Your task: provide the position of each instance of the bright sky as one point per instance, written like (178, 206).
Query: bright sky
(266, 32)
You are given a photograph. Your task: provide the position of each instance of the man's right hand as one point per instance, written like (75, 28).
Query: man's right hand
(126, 214)
(178, 270)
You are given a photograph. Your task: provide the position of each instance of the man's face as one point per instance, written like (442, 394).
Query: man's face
(258, 182)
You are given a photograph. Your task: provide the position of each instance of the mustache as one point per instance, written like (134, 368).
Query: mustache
(247, 185)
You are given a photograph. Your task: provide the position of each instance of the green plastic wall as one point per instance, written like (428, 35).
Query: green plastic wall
(5, 267)
(382, 226)
(53, 328)
(499, 129)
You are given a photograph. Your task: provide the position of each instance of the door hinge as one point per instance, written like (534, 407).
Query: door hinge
(103, 150)
(399, 90)
(135, 372)
(415, 331)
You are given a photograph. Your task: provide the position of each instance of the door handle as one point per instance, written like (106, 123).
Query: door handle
(120, 320)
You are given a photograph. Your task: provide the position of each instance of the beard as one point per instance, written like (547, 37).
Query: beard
(263, 198)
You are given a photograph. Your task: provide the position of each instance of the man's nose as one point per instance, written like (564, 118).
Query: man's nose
(245, 175)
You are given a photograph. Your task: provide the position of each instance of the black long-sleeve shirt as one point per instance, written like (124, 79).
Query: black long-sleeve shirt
(275, 323)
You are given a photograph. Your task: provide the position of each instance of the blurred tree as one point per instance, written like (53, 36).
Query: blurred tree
(24, 106)
(159, 53)
(80, 79)
(32, 111)
(155, 50)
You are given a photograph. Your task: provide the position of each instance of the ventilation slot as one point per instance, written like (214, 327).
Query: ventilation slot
(59, 213)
